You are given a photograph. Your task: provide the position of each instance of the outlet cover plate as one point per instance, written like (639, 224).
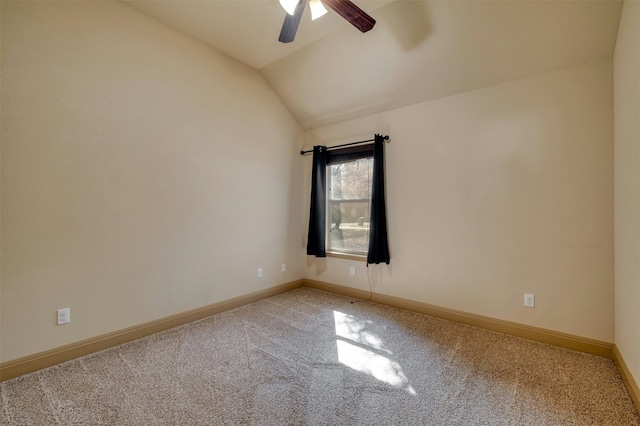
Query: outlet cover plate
(529, 300)
(64, 316)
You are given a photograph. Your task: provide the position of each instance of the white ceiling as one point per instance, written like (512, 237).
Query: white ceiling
(419, 50)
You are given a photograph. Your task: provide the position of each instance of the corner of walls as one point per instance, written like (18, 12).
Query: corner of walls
(627, 190)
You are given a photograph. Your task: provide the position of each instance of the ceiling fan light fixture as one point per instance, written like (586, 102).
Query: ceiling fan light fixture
(345, 8)
(289, 5)
(317, 9)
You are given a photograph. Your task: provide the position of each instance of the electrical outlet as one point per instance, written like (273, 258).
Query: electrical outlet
(352, 271)
(259, 272)
(64, 316)
(284, 267)
(529, 300)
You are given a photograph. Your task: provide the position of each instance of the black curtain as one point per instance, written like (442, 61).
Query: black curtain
(318, 211)
(378, 244)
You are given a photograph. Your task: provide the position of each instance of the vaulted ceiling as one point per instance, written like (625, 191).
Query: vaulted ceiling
(419, 50)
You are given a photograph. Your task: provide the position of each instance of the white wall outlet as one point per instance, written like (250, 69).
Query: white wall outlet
(352, 271)
(259, 272)
(64, 316)
(283, 268)
(529, 300)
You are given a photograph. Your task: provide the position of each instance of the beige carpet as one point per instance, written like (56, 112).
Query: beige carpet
(309, 357)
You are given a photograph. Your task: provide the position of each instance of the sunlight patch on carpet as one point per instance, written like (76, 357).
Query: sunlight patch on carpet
(361, 350)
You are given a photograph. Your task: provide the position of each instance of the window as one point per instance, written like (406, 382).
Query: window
(347, 212)
(349, 178)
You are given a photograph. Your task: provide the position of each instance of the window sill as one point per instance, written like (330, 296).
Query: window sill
(348, 256)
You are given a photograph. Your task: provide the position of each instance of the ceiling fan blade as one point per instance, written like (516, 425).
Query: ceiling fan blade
(291, 22)
(352, 13)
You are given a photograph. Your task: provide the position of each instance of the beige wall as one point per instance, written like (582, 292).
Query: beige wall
(496, 192)
(627, 187)
(143, 174)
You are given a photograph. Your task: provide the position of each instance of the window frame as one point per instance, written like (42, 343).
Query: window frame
(343, 156)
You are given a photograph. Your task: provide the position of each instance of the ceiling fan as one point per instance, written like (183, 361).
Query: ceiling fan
(345, 8)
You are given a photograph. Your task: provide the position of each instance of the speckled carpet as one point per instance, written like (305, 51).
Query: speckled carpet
(310, 357)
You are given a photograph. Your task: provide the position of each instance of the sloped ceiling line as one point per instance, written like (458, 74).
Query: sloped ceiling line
(419, 50)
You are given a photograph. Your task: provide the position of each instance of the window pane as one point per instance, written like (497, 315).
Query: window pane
(349, 226)
(351, 180)
(349, 196)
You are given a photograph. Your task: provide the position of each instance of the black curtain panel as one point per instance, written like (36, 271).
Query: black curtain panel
(378, 244)
(318, 211)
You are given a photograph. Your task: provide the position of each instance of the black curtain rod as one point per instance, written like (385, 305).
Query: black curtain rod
(385, 137)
